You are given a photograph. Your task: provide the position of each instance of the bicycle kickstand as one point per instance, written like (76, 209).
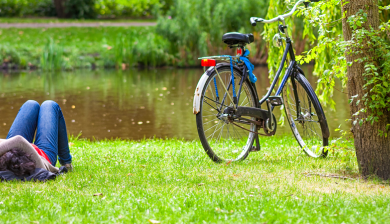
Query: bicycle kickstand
(257, 147)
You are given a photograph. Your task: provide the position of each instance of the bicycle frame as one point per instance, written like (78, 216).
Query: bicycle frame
(291, 69)
(289, 73)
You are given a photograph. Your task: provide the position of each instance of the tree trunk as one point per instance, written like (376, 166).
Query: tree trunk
(60, 8)
(372, 150)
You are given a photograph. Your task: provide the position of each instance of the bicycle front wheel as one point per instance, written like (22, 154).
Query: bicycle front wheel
(224, 138)
(306, 116)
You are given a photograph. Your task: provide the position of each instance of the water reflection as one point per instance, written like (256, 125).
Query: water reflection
(131, 104)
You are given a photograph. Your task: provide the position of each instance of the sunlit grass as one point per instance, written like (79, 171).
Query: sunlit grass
(57, 20)
(173, 181)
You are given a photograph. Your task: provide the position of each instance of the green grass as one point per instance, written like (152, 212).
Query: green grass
(56, 20)
(84, 46)
(173, 181)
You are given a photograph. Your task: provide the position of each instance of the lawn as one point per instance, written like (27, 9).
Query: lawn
(173, 181)
(57, 20)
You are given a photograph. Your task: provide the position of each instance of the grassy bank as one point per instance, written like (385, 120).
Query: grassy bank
(57, 20)
(70, 48)
(173, 181)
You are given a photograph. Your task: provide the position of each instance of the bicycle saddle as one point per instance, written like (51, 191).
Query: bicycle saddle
(235, 38)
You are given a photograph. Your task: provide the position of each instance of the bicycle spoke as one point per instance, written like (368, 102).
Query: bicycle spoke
(301, 111)
(223, 137)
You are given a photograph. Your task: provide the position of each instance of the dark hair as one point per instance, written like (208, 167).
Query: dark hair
(18, 162)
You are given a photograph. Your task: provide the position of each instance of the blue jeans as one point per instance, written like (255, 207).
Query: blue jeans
(49, 123)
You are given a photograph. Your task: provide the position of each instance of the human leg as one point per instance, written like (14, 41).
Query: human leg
(25, 122)
(51, 134)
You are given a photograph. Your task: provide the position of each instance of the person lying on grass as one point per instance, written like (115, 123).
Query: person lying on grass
(18, 153)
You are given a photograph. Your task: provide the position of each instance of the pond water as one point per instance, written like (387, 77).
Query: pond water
(132, 104)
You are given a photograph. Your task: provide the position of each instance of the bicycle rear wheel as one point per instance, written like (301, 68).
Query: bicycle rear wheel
(306, 116)
(221, 139)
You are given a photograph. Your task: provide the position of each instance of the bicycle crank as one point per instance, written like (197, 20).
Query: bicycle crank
(270, 127)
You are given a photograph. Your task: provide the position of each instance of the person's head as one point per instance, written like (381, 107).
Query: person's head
(18, 162)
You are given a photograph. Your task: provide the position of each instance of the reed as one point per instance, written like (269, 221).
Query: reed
(51, 58)
(195, 27)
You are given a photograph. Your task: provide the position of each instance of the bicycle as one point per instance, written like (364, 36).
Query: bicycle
(228, 110)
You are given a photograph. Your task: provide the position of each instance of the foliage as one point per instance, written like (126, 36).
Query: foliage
(332, 46)
(324, 29)
(9, 55)
(133, 8)
(62, 20)
(42, 8)
(80, 9)
(377, 68)
(12, 8)
(196, 27)
(73, 47)
(85, 8)
(295, 30)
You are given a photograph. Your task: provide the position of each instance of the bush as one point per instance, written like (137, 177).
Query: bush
(85, 8)
(42, 8)
(10, 8)
(14, 8)
(80, 9)
(128, 8)
(195, 27)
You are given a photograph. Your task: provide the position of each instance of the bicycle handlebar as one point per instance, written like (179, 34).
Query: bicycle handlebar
(254, 20)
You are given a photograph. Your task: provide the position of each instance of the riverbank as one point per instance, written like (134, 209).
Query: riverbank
(82, 47)
(173, 181)
(55, 44)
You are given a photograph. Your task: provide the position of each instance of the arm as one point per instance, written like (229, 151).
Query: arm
(21, 143)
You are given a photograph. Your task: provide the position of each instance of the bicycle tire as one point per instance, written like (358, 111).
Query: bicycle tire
(301, 118)
(229, 150)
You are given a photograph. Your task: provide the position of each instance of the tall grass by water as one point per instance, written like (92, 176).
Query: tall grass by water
(188, 30)
(52, 56)
(173, 181)
(196, 27)
(69, 48)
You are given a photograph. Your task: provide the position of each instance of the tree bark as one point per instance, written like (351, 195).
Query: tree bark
(60, 8)
(372, 150)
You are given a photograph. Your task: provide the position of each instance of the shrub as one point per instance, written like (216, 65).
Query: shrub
(84, 8)
(41, 8)
(195, 27)
(80, 9)
(13, 8)
(129, 8)
(10, 8)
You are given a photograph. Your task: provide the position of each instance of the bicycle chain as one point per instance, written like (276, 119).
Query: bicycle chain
(254, 132)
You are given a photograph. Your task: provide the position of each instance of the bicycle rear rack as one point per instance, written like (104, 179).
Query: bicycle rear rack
(220, 57)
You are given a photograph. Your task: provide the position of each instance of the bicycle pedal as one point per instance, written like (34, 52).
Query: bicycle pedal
(276, 100)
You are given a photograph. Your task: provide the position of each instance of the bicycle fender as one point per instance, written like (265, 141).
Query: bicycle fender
(201, 83)
(199, 90)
